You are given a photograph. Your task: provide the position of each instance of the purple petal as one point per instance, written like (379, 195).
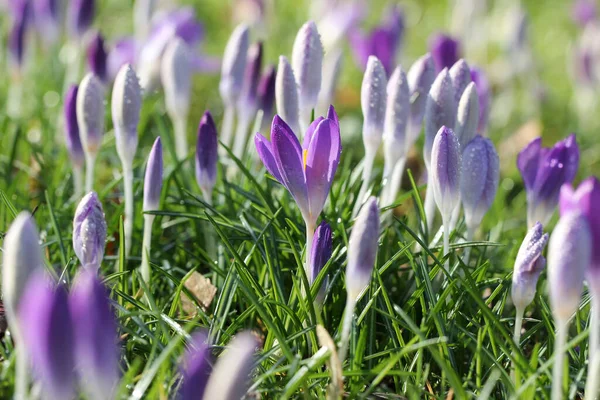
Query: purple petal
(310, 132)
(123, 52)
(206, 153)
(197, 368)
(528, 161)
(483, 94)
(16, 41)
(72, 138)
(266, 91)
(445, 51)
(265, 152)
(81, 15)
(96, 57)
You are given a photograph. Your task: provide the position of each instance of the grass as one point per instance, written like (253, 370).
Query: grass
(413, 334)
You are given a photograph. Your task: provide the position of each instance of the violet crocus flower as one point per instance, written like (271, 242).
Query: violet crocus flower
(72, 138)
(320, 253)
(153, 178)
(96, 57)
(206, 156)
(420, 77)
(196, 368)
(266, 92)
(46, 15)
(445, 51)
(18, 31)
(544, 171)
(124, 51)
(89, 231)
(483, 94)
(446, 170)
(383, 41)
(396, 118)
(97, 354)
(467, 116)
(80, 15)
(48, 336)
(234, 65)
(286, 95)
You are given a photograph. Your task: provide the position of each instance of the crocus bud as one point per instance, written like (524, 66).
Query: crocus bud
(440, 110)
(307, 61)
(206, 154)
(396, 118)
(420, 77)
(372, 100)
(80, 16)
(247, 103)
(48, 336)
(176, 75)
(569, 254)
(479, 179)
(96, 57)
(286, 95)
(362, 248)
(483, 95)
(90, 113)
(266, 92)
(234, 64)
(445, 172)
(97, 355)
(544, 171)
(231, 375)
(18, 32)
(153, 179)
(22, 257)
(320, 254)
(89, 231)
(529, 264)
(126, 106)
(461, 77)
(72, 139)
(196, 368)
(445, 51)
(467, 117)
(47, 19)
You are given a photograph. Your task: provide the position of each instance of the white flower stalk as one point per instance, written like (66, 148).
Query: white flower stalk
(307, 61)
(126, 106)
(176, 77)
(90, 119)
(286, 95)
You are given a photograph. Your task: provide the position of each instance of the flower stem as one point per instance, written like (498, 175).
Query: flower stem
(90, 162)
(593, 378)
(128, 223)
(559, 359)
(446, 241)
(517, 339)
(180, 128)
(239, 141)
(227, 128)
(347, 324)
(392, 186)
(310, 233)
(147, 241)
(470, 236)
(366, 180)
(77, 182)
(429, 208)
(21, 373)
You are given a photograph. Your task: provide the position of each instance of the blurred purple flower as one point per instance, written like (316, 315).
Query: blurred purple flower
(16, 41)
(248, 101)
(46, 15)
(80, 15)
(124, 51)
(72, 139)
(583, 11)
(266, 91)
(96, 57)
(196, 368)
(445, 51)
(483, 93)
(544, 171)
(529, 264)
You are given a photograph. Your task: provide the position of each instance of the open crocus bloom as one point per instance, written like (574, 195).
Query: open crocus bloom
(305, 170)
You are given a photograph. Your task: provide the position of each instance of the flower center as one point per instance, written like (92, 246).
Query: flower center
(304, 155)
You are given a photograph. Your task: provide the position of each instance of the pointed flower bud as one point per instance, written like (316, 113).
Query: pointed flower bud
(372, 100)
(48, 336)
(90, 113)
(396, 118)
(479, 179)
(234, 64)
(231, 375)
(153, 179)
(286, 95)
(544, 171)
(176, 75)
(569, 253)
(80, 16)
(440, 110)
(126, 106)
(529, 264)
(206, 154)
(307, 61)
(89, 231)
(247, 103)
(467, 117)
(445, 51)
(483, 95)
(445, 172)
(21, 258)
(97, 355)
(196, 368)
(18, 31)
(320, 253)
(72, 139)
(266, 92)
(420, 77)
(460, 73)
(96, 57)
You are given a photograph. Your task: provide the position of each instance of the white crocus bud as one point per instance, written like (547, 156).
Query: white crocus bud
(234, 65)
(373, 99)
(126, 106)
(460, 73)
(286, 95)
(176, 74)
(396, 119)
(467, 117)
(90, 113)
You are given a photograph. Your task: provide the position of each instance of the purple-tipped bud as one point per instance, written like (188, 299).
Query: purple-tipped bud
(420, 77)
(266, 92)
(90, 113)
(48, 336)
(396, 118)
(445, 172)
(544, 171)
(362, 248)
(80, 16)
(153, 180)
(196, 368)
(47, 19)
(247, 103)
(89, 231)
(320, 253)
(461, 77)
(231, 375)
(72, 139)
(529, 264)
(467, 117)
(483, 95)
(372, 99)
(234, 64)
(286, 95)
(569, 253)
(96, 57)
(479, 179)
(21, 258)
(97, 354)
(307, 61)
(18, 31)
(126, 107)
(444, 50)
(206, 154)
(440, 110)
(176, 76)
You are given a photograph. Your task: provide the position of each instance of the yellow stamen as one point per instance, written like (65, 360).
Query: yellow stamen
(304, 155)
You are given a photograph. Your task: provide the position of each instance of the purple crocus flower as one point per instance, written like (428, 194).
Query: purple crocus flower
(124, 51)
(89, 231)
(153, 179)
(529, 264)
(197, 368)
(460, 74)
(18, 31)
(80, 15)
(97, 355)
(247, 103)
(96, 57)
(544, 171)
(320, 254)
(266, 91)
(583, 11)
(305, 170)
(46, 15)
(48, 336)
(206, 155)
(383, 41)
(445, 51)
(420, 76)
(446, 170)
(72, 138)
(483, 94)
